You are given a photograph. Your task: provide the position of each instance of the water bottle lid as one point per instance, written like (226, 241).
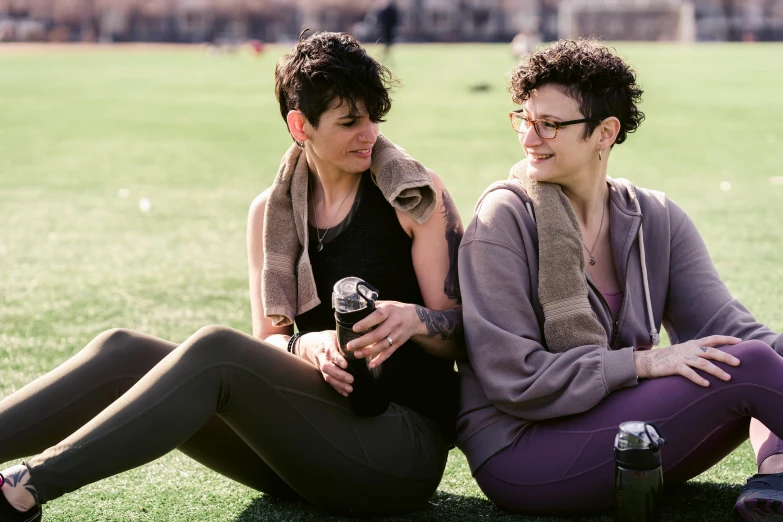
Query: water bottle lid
(637, 445)
(351, 294)
(637, 435)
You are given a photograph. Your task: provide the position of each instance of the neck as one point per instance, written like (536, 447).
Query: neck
(330, 184)
(587, 193)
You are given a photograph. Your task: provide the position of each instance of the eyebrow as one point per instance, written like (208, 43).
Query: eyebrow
(548, 117)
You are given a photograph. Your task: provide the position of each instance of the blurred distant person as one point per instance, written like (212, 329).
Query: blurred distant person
(523, 44)
(388, 19)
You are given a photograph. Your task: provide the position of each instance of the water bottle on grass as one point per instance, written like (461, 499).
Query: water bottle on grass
(638, 479)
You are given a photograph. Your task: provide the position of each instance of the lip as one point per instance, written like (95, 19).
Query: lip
(363, 153)
(535, 158)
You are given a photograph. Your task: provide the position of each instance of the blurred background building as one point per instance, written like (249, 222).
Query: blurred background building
(217, 21)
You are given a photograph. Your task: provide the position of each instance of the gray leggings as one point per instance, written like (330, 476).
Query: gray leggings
(244, 408)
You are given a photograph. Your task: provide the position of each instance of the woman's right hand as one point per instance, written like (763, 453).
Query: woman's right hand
(323, 351)
(682, 359)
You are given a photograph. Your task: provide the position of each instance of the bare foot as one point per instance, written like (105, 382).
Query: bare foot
(18, 488)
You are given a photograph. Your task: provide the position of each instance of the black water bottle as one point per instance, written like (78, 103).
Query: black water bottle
(638, 479)
(353, 300)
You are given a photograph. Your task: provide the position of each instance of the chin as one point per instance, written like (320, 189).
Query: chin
(364, 165)
(537, 174)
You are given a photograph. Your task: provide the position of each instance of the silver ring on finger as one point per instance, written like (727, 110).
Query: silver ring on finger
(391, 343)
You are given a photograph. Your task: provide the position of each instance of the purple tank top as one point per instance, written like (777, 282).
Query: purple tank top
(615, 301)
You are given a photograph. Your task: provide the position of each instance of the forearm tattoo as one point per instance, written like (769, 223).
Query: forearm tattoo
(454, 234)
(646, 365)
(23, 477)
(446, 323)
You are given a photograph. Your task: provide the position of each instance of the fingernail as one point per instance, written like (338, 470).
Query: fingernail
(358, 354)
(349, 347)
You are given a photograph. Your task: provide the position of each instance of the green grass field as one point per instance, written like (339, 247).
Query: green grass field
(200, 135)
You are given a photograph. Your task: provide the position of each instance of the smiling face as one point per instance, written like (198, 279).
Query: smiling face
(343, 140)
(569, 156)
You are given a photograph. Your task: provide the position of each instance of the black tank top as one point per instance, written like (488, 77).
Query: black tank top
(374, 247)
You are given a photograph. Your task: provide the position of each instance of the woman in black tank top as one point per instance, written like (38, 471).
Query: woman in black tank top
(354, 231)
(272, 411)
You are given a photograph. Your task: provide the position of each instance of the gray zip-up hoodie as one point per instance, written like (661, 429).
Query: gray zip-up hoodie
(510, 379)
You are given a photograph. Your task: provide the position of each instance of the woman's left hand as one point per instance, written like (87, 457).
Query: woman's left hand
(395, 323)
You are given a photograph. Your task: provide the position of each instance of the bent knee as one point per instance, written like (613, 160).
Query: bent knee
(122, 346)
(114, 341)
(215, 336)
(216, 341)
(753, 352)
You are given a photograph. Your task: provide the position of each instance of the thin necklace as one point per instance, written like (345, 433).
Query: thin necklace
(315, 214)
(600, 226)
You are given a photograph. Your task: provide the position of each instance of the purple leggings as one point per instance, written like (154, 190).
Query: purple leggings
(566, 465)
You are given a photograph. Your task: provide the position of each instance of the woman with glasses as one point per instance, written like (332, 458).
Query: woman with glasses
(566, 276)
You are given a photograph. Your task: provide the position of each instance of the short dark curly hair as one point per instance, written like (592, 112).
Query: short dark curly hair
(327, 66)
(600, 81)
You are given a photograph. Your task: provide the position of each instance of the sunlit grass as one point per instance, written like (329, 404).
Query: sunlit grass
(199, 136)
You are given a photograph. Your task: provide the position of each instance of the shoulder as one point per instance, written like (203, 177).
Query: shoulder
(258, 206)
(653, 203)
(503, 215)
(660, 214)
(504, 203)
(443, 201)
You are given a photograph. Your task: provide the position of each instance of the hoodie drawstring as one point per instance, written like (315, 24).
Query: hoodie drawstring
(654, 336)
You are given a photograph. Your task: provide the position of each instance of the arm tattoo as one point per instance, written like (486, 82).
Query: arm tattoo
(18, 477)
(646, 365)
(454, 233)
(446, 323)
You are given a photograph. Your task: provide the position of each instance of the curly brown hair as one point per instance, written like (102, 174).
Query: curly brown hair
(600, 81)
(327, 66)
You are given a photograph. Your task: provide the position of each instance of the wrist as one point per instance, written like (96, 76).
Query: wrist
(417, 318)
(642, 364)
(295, 343)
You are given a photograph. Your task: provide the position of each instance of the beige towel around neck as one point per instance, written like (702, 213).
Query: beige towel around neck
(287, 277)
(569, 321)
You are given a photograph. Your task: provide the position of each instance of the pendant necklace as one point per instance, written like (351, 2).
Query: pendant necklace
(590, 250)
(320, 237)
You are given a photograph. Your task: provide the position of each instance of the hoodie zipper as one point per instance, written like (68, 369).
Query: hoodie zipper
(615, 332)
(614, 335)
(616, 324)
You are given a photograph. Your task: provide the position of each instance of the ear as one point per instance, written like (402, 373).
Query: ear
(296, 122)
(607, 132)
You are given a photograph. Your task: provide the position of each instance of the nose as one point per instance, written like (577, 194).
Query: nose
(530, 139)
(369, 132)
